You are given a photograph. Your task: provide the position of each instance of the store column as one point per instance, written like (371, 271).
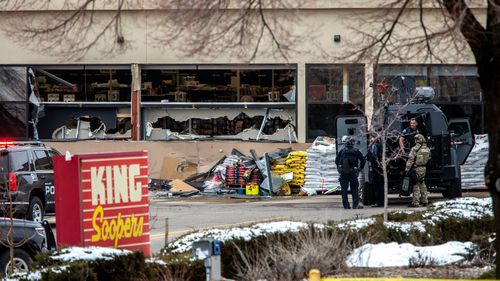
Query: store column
(369, 102)
(345, 84)
(136, 102)
(301, 101)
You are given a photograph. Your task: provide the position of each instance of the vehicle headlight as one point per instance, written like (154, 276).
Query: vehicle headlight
(40, 231)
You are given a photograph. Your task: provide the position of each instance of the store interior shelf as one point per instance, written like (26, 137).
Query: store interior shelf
(89, 104)
(187, 105)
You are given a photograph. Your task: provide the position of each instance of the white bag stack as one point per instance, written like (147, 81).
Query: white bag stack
(473, 168)
(321, 172)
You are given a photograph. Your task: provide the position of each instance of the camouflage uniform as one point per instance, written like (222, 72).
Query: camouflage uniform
(419, 188)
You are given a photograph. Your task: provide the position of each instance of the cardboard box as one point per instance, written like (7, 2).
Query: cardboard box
(113, 95)
(173, 168)
(180, 96)
(192, 83)
(180, 186)
(274, 96)
(69, 97)
(317, 92)
(100, 97)
(234, 82)
(52, 97)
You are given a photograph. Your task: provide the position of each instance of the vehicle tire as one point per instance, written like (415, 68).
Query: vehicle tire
(454, 190)
(35, 211)
(368, 195)
(21, 261)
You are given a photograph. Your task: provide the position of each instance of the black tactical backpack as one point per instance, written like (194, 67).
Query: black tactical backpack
(349, 160)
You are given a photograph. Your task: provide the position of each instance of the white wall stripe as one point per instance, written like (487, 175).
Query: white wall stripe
(118, 207)
(114, 159)
(88, 170)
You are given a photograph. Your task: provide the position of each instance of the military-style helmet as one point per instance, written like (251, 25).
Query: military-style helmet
(348, 141)
(419, 139)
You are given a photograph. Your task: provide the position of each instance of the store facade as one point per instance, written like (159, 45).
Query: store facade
(165, 95)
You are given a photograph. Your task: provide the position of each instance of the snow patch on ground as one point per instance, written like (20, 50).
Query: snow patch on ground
(70, 254)
(35, 275)
(465, 208)
(86, 254)
(29, 276)
(156, 261)
(469, 208)
(394, 254)
(243, 233)
(405, 227)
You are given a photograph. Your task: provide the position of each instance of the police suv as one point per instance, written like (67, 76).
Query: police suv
(26, 179)
(450, 142)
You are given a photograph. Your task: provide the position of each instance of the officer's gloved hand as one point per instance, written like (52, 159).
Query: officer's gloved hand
(339, 169)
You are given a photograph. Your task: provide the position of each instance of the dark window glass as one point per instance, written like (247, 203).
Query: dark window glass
(4, 162)
(321, 118)
(325, 96)
(325, 84)
(455, 84)
(42, 160)
(13, 84)
(217, 85)
(76, 83)
(53, 153)
(19, 161)
(13, 119)
(386, 73)
(472, 111)
(389, 73)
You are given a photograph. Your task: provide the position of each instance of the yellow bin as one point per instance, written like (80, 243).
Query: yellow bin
(252, 189)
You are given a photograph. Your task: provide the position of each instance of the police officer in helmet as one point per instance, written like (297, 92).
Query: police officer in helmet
(349, 161)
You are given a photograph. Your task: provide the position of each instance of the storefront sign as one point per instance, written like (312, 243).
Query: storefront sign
(112, 204)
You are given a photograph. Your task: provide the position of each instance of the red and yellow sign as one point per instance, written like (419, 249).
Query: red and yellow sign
(113, 200)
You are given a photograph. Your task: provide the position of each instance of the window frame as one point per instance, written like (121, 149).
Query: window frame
(47, 155)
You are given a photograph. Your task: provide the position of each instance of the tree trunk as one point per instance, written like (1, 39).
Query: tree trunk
(384, 171)
(489, 78)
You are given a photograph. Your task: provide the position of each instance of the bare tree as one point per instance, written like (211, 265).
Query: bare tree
(7, 238)
(382, 131)
(195, 28)
(460, 32)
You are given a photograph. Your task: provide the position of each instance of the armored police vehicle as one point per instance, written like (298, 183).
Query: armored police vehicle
(450, 142)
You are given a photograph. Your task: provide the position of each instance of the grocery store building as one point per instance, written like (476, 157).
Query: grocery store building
(156, 97)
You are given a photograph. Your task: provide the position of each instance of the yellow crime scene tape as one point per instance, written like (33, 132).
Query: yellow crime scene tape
(391, 279)
(315, 275)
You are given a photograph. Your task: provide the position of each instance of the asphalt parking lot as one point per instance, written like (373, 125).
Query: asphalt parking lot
(188, 214)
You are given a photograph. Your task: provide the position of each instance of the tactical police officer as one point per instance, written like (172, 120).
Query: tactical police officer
(374, 156)
(407, 139)
(420, 154)
(349, 161)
